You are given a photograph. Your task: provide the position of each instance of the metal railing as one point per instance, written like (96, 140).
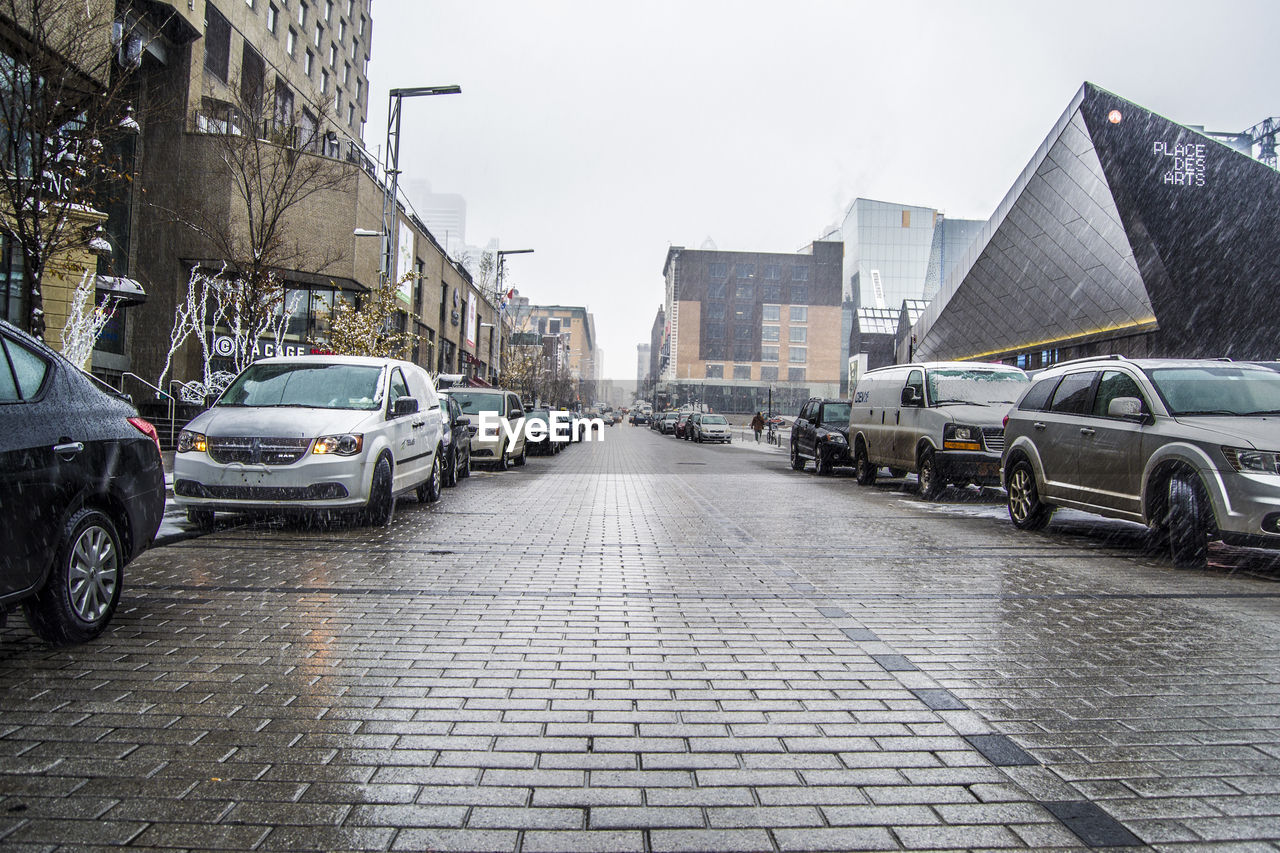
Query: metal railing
(173, 402)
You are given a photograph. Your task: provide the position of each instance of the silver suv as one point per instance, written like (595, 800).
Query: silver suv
(1189, 447)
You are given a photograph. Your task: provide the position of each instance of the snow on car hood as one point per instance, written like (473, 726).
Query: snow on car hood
(977, 415)
(283, 421)
(1260, 433)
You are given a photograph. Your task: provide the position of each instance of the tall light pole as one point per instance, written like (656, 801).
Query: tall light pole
(500, 294)
(391, 172)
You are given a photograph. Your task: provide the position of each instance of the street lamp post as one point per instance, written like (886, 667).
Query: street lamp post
(391, 171)
(499, 293)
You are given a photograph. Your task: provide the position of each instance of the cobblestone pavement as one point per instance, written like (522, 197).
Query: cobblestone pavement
(651, 645)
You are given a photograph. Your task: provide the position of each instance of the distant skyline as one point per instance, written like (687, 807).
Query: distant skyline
(598, 134)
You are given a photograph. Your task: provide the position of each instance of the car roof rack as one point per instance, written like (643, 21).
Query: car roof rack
(1111, 357)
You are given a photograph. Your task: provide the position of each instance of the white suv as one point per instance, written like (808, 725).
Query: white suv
(313, 433)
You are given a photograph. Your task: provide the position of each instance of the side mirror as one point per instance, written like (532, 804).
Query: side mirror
(910, 396)
(404, 406)
(1128, 408)
(461, 421)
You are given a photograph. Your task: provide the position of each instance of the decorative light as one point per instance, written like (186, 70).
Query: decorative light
(1114, 116)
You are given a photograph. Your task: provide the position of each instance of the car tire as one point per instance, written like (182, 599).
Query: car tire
(864, 470)
(797, 461)
(519, 460)
(821, 463)
(429, 491)
(449, 471)
(502, 458)
(1026, 510)
(382, 497)
(82, 591)
(464, 470)
(201, 518)
(1185, 525)
(931, 485)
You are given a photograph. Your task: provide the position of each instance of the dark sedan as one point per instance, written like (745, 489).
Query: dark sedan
(81, 490)
(457, 462)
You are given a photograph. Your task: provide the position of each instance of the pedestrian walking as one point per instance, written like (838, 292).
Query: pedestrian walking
(757, 424)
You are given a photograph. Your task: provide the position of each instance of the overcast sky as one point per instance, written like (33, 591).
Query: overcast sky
(600, 132)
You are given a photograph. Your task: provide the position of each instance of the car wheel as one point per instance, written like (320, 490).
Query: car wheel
(83, 588)
(797, 461)
(1186, 524)
(382, 500)
(519, 460)
(464, 470)
(931, 484)
(449, 468)
(1025, 508)
(866, 472)
(502, 458)
(822, 463)
(429, 491)
(201, 518)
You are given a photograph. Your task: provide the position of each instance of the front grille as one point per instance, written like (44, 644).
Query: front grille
(994, 439)
(257, 451)
(314, 492)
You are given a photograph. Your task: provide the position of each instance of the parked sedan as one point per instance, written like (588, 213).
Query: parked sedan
(667, 423)
(710, 428)
(457, 441)
(312, 433)
(682, 422)
(81, 490)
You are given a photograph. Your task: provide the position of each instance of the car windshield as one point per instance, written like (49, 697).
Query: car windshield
(714, 419)
(978, 387)
(836, 413)
(311, 385)
(1224, 390)
(475, 402)
(537, 415)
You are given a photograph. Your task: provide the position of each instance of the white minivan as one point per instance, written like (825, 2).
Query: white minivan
(309, 433)
(944, 421)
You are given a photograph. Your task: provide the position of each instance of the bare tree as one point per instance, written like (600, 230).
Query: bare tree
(274, 156)
(61, 103)
(372, 328)
(85, 320)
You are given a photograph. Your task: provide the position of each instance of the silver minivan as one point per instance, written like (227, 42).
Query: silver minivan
(941, 420)
(1189, 447)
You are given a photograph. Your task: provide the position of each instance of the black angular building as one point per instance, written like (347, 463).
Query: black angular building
(1126, 233)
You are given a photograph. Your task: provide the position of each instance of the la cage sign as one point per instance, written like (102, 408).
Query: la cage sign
(225, 347)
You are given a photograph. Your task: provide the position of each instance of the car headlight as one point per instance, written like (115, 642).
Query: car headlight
(834, 438)
(189, 441)
(959, 437)
(1248, 461)
(341, 445)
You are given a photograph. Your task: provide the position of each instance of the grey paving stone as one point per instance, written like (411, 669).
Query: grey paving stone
(834, 839)
(710, 841)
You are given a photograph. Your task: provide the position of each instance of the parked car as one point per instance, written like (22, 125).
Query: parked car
(82, 488)
(821, 433)
(457, 441)
(544, 444)
(313, 433)
(682, 421)
(707, 427)
(497, 448)
(942, 420)
(1190, 448)
(640, 418)
(667, 425)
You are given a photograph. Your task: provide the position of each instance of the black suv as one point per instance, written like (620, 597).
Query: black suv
(821, 433)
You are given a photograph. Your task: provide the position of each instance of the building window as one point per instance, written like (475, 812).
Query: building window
(249, 3)
(795, 374)
(742, 371)
(291, 41)
(797, 355)
(906, 219)
(302, 14)
(362, 23)
(772, 272)
(769, 333)
(328, 10)
(553, 326)
(324, 81)
(714, 310)
(745, 292)
(253, 73)
(217, 43)
(716, 289)
(715, 350)
(768, 374)
(768, 353)
(718, 270)
(743, 313)
(351, 115)
(342, 30)
(715, 331)
(13, 290)
(746, 270)
(771, 313)
(346, 73)
(333, 56)
(742, 352)
(307, 62)
(799, 294)
(273, 17)
(359, 90)
(715, 371)
(742, 333)
(350, 7)
(799, 313)
(799, 335)
(337, 108)
(799, 273)
(771, 292)
(319, 35)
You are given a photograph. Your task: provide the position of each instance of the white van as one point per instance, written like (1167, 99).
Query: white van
(944, 421)
(309, 433)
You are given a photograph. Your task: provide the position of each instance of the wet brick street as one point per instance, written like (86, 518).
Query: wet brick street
(651, 645)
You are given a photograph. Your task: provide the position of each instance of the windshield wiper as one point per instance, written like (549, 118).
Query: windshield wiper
(1260, 412)
(959, 403)
(1209, 412)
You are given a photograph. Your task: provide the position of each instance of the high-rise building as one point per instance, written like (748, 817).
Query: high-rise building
(657, 342)
(576, 327)
(744, 326)
(444, 213)
(642, 364)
